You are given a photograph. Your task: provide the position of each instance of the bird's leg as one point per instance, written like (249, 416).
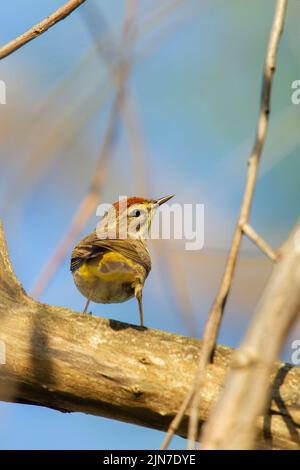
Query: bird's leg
(138, 294)
(86, 306)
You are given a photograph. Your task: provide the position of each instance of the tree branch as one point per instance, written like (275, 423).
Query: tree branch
(40, 28)
(93, 196)
(62, 360)
(232, 424)
(259, 241)
(214, 320)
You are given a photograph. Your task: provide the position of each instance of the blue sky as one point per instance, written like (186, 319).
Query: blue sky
(196, 79)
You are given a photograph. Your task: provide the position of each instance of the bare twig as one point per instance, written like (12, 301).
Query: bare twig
(40, 27)
(90, 201)
(62, 131)
(259, 241)
(215, 315)
(176, 422)
(93, 365)
(233, 422)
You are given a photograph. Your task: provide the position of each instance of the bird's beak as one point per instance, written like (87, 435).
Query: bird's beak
(162, 200)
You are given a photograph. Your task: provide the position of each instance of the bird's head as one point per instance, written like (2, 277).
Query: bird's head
(130, 217)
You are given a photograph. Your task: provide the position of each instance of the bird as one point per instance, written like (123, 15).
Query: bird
(111, 264)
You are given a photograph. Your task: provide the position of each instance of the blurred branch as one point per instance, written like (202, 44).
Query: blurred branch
(214, 320)
(215, 315)
(84, 210)
(59, 359)
(51, 138)
(232, 424)
(40, 28)
(91, 199)
(133, 128)
(259, 241)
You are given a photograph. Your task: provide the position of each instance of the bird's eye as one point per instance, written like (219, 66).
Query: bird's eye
(134, 213)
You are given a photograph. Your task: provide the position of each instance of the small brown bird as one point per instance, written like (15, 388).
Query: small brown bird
(112, 263)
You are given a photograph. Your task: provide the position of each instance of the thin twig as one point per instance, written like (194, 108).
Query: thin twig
(259, 241)
(233, 421)
(40, 28)
(91, 199)
(185, 405)
(215, 315)
(172, 429)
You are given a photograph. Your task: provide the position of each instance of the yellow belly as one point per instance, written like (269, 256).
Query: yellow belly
(108, 278)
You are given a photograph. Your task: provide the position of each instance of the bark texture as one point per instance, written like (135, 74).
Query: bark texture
(59, 359)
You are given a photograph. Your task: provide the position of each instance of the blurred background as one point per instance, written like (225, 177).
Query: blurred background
(187, 127)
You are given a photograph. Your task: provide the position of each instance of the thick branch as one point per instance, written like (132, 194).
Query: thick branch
(60, 359)
(89, 202)
(40, 28)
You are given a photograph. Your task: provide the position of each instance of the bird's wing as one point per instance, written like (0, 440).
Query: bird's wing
(92, 246)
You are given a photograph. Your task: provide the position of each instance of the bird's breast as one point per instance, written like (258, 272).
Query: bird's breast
(109, 278)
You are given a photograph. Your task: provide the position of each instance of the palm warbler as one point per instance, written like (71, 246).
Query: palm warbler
(112, 263)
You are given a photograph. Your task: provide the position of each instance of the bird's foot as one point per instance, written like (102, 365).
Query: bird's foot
(87, 314)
